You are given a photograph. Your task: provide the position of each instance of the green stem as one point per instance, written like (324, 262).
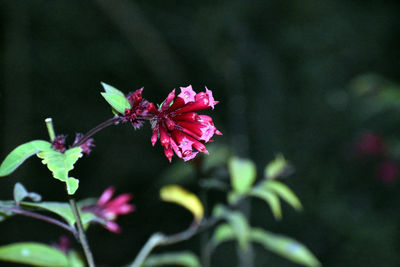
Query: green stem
(99, 127)
(50, 128)
(81, 232)
(159, 239)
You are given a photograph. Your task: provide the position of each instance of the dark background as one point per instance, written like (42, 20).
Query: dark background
(282, 72)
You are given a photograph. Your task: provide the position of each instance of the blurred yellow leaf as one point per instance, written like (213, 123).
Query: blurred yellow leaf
(180, 196)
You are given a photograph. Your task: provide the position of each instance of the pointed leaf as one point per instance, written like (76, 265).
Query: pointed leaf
(111, 89)
(223, 233)
(20, 193)
(284, 192)
(270, 198)
(117, 102)
(278, 167)
(243, 174)
(61, 163)
(20, 154)
(285, 247)
(237, 222)
(180, 196)
(184, 258)
(240, 227)
(34, 254)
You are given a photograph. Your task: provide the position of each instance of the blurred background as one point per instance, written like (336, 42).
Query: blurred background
(317, 81)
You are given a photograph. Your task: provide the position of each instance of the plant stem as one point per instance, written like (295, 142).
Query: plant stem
(81, 232)
(99, 127)
(159, 239)
(50, 128)
(41, 217)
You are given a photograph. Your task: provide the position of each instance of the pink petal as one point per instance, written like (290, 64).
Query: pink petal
(187, 94)
(113, 227)
(106, 196)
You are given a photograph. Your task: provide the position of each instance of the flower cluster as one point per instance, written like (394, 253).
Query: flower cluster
(372, 146)
(59, 143)
(175, 123)
(109, 209)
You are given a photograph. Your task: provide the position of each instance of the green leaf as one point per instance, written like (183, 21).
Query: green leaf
(4, 209)
(75, 259)
(284, 192)
(276, 168)
(238, 223)
(21, 193)
(61, 163)
(117, 102)
(243, 174)
(34, 254)
(285, 247)
(180, 196)
(223, 233)
(111, 89)
(64, 210)
(20, 154)
(270, 198)
(184, 258)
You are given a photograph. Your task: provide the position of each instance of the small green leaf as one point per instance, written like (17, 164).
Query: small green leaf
(284, 246)
(184, 258)
(284, 192)
(270, 198)
(21, 193)
(276, 168)
(180, 196)
(117, 102)
(64, 210)
(111, 89)
(61, 163)
(243, 174)
(5, 207)
(20, 154)
(34, 254)
(223, 233)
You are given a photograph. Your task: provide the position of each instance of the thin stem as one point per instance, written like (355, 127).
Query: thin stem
(50, 128)
(99, 127)
(159, 239)
(41, 217)
(82, 235)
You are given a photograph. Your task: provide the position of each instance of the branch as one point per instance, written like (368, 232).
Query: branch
(41, 217)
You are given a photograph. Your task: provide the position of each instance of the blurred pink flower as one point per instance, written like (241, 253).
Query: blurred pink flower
(388, 171)
(64, 244)
(370, 144)
(109, 209)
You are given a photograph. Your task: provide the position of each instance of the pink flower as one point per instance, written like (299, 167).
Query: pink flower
(388, 171)
(109, 209)
(370, 144)
(58, 143)
(139, 111)
(64, 244)
(180, 129)
(85, 146)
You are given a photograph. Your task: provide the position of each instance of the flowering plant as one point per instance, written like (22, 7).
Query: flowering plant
(181, 131)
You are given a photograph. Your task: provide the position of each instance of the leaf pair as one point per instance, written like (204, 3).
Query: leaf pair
(279, 244)
(115, 98)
